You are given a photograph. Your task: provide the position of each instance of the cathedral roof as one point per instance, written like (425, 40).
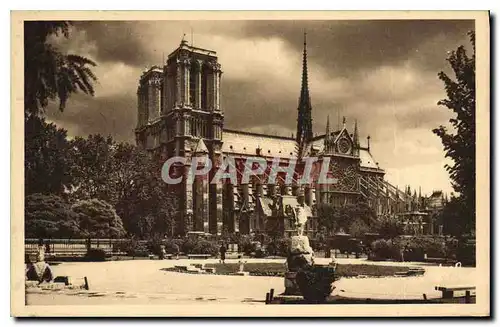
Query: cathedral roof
(200, 147)
(366, 158)
(246, 143)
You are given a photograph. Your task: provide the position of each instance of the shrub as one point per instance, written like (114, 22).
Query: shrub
(245, 245)
(173, 245)
(385, 249)
(318, 244)
(389, 227)
(315, 283)
(416, 247)
(195, 246)
(451, 245)
(188, 245)
(95, 255)
(135, 248)
(413, 248)
(279, 247)
(466, 251)
(97, 218)
(260, 253)
(206, 247)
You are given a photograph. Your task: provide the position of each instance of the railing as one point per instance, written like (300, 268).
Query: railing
(73, 247)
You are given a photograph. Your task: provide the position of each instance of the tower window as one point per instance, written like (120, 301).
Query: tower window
(192, 84)
(204, 87)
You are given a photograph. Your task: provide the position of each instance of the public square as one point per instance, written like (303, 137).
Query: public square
(124, 282)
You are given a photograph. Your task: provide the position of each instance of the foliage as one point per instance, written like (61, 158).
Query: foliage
(279, 269)
(173, 245)
(279, 247)
(48, 73)
(466, 251)
(356, 217)
(385, 249)
(416, 247)
(134, 248)
(93, 168)
(97, 219)
(358, 228)
(199, 246)
(47, 162)
(459, 144)
(245, 245)
(315, 283)
(47, 216)
(206, 247)
(413, 248)
(129, 179)
(389, 227)
(327, 217)
(455, 217)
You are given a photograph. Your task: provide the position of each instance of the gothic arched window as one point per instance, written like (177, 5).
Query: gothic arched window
(192, 83)
(204, 81)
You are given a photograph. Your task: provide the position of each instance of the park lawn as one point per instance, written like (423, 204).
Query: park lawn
(278, 269)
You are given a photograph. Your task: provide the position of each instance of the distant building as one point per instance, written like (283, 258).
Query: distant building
(420, 216)
(180, 114)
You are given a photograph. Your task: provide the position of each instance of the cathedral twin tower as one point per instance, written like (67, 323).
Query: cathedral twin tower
(181, 99)
(179, 114)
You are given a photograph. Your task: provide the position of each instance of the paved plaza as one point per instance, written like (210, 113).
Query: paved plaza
(123, 282)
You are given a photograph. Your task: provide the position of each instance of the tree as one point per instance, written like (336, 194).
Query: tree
(327, 215)
(358, 228)
(389, 227)
(48, 73)
(47, 161)
(358, 217)
(47, 216)
(453, 218)
(129, 179)
(98, 219)
(459, 144)
(147, 208)
(93, 168)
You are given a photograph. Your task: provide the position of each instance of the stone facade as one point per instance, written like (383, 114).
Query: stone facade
(180, 114)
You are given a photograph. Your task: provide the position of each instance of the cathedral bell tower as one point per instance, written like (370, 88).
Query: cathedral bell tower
(180, 114)
(193, 114)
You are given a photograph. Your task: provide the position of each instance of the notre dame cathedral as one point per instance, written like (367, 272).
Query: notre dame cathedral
(180, 114)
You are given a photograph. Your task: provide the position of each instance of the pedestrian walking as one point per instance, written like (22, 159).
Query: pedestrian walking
(222, 251)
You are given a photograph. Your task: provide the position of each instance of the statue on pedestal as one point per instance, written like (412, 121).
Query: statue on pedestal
(303, 277)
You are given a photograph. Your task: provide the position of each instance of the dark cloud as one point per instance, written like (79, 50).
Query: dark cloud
(247, 106)
(346, 47)
(381, 73)
(118, 41)
(108, 115)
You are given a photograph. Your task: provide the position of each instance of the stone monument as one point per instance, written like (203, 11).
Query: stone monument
(303, 276)
(300, 253)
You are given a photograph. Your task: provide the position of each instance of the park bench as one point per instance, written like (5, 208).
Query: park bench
(451, 292)
(199, 256)
(233, 255)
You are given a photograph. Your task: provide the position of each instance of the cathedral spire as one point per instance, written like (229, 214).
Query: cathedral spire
(326, 141)
(356, 136)
(327, 125)
(304, 119)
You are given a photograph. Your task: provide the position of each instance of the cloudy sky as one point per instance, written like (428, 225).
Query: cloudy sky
(382, 73)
